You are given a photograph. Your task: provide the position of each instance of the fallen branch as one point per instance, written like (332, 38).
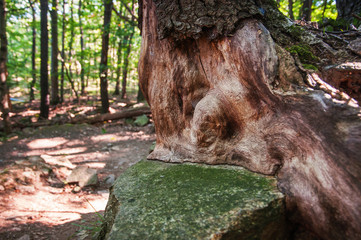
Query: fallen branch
(113, 116)
(86, 119)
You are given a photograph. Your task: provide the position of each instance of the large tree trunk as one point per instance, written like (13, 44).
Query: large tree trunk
(33, 53)
(223, 90)
(5, 103)
(44, 48)
(104, 56)
(54, 54)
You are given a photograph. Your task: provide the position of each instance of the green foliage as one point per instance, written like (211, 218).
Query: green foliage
(319, 12)
(19, 31)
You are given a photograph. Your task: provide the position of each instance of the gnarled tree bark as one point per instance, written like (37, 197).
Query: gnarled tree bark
(223, 90)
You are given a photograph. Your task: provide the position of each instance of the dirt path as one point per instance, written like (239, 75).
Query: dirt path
(34, 201)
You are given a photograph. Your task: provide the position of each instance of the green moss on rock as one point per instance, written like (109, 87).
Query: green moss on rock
(310, 66)
(170, 201)
(304, 53)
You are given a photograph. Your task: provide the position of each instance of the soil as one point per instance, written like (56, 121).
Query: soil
(36, 202)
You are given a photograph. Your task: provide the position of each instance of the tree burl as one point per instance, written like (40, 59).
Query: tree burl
(223, 90)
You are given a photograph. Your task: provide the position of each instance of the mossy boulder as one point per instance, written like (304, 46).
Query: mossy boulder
(157, 200)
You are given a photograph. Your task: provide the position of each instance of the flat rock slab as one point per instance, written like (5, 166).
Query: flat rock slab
(157, 200)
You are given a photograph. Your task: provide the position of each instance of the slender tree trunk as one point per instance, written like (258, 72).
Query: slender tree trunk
(140, 95)
(33, 53)
(82, 83)
(70, 73)
(62, 56)
(89, 65)
(5, 103)
(324, 9)
(126, 57)
(290, 9)
(44, 49)
(306, 10)
(95, 67)
(119, 58)
(72, 83)
(54, 54)
(126, 64)
(104, 56)
(119, 62)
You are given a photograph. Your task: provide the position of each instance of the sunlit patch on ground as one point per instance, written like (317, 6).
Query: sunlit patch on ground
(46, 143)
(38, 201)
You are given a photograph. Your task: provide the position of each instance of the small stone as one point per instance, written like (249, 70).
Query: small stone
(56, 190)
(35, 159)
(21, 162)
(84, 176)
(141, 120)
(25, 237)
(45, 171)
(61, 172)
(355, 46)
(101, 192)
(116, 148)
(28, 130)
(57, 161)
(2, 188)
(109, 180)
(76, 189)
(26, 189)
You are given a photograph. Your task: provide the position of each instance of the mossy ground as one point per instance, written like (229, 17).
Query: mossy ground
(188, 201)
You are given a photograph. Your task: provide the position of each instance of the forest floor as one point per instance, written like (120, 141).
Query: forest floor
(36, 202)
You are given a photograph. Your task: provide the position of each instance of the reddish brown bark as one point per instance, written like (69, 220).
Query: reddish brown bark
(216, 101)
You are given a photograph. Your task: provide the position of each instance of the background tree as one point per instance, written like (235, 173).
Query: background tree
(44, 78)
(128, 43)
(306, 10)
(82, 71)
(104, 56)
(347, 9)
(54, 54)
(62, 73)
(33, 52)
(5, 103)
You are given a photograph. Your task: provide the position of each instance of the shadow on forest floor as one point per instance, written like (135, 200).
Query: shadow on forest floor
(37, 201)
